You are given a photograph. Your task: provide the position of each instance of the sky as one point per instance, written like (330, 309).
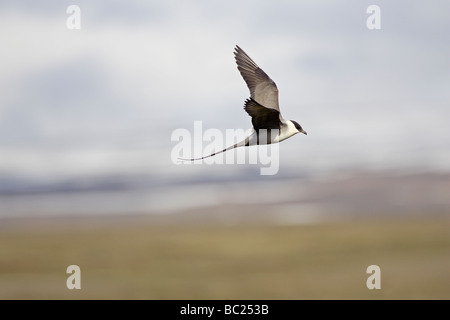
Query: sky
(105, 99)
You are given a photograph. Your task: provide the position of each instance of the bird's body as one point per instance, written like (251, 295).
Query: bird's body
(268, 125)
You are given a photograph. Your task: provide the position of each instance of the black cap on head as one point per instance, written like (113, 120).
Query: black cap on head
(298, 127)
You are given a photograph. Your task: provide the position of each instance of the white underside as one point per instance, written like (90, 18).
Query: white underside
(287, 130)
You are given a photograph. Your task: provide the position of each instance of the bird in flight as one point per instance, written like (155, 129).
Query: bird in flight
(268, 125)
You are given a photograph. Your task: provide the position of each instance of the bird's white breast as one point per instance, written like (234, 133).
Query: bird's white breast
(287, 130)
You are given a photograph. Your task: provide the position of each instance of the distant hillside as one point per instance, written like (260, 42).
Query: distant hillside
(287, 199)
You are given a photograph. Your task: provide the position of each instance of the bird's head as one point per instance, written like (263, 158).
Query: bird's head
(298, 127)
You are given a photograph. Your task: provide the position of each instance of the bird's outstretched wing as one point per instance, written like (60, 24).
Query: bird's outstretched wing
(262, 89)
(262, 117)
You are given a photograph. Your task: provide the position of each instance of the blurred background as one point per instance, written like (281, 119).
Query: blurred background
(86, 175)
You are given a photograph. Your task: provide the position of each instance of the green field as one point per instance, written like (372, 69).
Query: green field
(145, 261)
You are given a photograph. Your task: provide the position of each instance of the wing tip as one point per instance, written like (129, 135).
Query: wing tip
(237, 51)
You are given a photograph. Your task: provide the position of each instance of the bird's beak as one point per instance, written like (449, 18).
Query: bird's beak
(304, 132)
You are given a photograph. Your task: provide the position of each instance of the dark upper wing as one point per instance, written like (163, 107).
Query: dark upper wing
(262, 89)
(262, 117)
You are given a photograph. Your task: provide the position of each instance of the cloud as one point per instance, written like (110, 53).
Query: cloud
(138, 70)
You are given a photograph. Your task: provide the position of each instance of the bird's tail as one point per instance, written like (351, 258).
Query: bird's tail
(244, 142)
